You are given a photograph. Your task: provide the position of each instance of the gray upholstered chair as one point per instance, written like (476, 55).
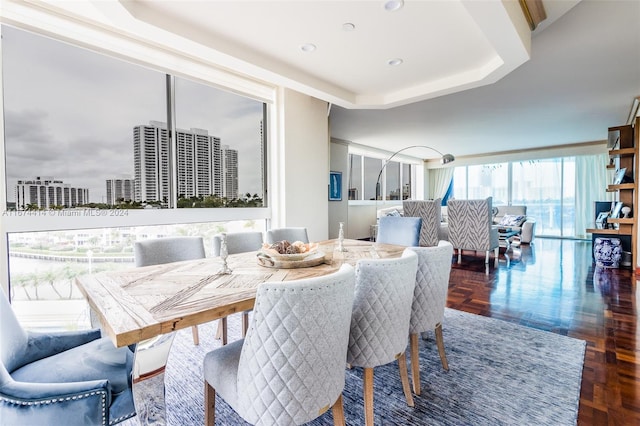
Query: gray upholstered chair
(291, 366)
(404, 231)
(380, 319)
(237, 242)
(157, 251)
(429, 301)
(470, 227)
(70, 378)
(429, 212)
(290, 234)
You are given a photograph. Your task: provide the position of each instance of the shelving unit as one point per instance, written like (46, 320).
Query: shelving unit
(624, 141)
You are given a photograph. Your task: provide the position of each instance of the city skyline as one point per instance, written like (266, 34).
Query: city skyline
(69, 113)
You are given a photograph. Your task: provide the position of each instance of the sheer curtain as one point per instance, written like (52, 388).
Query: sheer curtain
(591, 184)
(439, 181)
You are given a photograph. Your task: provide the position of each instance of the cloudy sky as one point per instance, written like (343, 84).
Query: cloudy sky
(70, 114)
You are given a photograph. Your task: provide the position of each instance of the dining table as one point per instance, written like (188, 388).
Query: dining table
(143, 307)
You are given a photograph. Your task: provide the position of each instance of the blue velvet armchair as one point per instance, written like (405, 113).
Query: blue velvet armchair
(70, 378)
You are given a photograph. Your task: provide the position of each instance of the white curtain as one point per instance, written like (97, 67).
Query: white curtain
(439, 181)
(591, 184)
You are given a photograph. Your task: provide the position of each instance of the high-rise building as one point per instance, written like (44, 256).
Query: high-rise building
(199, 163)
(47, 192)
(120, 189)
(229, 172)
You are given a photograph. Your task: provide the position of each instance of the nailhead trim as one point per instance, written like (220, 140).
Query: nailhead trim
(103, 398)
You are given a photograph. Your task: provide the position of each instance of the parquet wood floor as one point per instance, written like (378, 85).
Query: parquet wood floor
(553, 285)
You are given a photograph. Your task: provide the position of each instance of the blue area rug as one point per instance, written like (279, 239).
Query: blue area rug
(499, 374)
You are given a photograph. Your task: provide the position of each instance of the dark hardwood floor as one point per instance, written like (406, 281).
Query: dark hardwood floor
(552, 285)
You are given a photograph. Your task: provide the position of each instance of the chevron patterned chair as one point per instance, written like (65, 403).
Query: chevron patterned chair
(470, 227)
(429, 211)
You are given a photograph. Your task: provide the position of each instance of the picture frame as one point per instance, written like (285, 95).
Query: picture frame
(618, 178)
(601, 220)
(615, 210)
(335, 186)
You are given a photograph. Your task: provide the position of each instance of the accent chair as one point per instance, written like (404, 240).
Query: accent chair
(429, 212)
(53, 378)
(470, 228)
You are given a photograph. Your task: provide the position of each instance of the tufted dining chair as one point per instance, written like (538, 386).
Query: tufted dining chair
(429, 301)
(429, 212)
(290, 368)
(380, 320)
(470, 227)
(237, 242)
(53, 378)
(290, 234)
(404, 231)
(157, 251)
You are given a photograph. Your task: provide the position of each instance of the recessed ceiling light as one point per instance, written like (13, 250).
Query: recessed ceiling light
(393, 5)
(394, 62)
(348, 26)
(308, 47)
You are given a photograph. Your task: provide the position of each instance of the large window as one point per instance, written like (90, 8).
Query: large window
(84, 129)
(86, 132)
(546, 187)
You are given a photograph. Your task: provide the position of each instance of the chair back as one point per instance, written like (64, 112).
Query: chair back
(292, 363)
(289, 234)
(381, 309)
(238, 242)
(429, 212)
(166, 250)
(470, 224)
(404, 231)
(13, 337)
(432, 285)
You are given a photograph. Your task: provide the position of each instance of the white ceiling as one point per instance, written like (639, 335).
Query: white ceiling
(582, 77)
(474, 78)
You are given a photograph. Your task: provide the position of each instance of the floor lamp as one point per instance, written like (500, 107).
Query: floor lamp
(444, 159)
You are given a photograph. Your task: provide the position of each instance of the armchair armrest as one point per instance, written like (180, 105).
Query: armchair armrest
(50, 403)
(42, 345)
(527, 232)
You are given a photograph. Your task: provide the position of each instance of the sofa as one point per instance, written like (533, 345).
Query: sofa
(515, 217)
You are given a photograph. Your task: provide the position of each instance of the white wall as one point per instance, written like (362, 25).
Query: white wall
(300, 164)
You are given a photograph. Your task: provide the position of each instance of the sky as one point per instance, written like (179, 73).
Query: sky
(70, 114)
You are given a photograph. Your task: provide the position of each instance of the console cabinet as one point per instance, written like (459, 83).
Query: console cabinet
(624, 142)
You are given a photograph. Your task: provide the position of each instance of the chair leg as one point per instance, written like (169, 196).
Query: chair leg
(209, 404)
(337, 409)
(196, 336)
(221, 333)
(440, 343)
(368, 396)
(404, 378)
(459, 255)
(245, 323)
(415, 363)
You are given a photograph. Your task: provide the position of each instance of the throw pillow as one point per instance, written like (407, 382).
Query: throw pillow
(393, 213)
(512, 220)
